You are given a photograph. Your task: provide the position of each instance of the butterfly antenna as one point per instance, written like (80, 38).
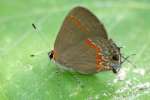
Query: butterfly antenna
(40, 33)
(127, 59)
(41, 36)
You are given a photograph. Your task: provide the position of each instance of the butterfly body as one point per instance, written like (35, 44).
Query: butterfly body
(82, 44)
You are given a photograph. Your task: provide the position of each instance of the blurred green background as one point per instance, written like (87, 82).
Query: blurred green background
(36, 78)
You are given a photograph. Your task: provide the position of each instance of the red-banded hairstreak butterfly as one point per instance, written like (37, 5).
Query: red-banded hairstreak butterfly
(82, 44)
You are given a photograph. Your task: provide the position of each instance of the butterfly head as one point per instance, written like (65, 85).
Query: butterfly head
(115, 57)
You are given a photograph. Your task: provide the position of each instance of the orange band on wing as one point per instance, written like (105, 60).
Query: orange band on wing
(75, 20)
(89, 42)
(99, 58)
(78, 24)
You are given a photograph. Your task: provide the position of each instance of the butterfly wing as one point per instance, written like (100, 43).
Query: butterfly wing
(83, 57)
(70, 48)
(79, 24)
(80, 58)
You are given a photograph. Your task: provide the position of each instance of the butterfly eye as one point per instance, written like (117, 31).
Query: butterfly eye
(115, 57)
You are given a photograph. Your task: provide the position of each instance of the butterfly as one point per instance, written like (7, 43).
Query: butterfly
(82, 44)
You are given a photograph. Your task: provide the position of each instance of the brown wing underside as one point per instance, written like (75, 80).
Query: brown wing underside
(82, 57)
(71, 51)
(79, 25)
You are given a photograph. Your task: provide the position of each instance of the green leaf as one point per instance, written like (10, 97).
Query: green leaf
(23, 77)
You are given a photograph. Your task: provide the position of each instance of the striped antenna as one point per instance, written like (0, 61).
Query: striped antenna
(42, 38)
(40, 33)
(127, 59)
